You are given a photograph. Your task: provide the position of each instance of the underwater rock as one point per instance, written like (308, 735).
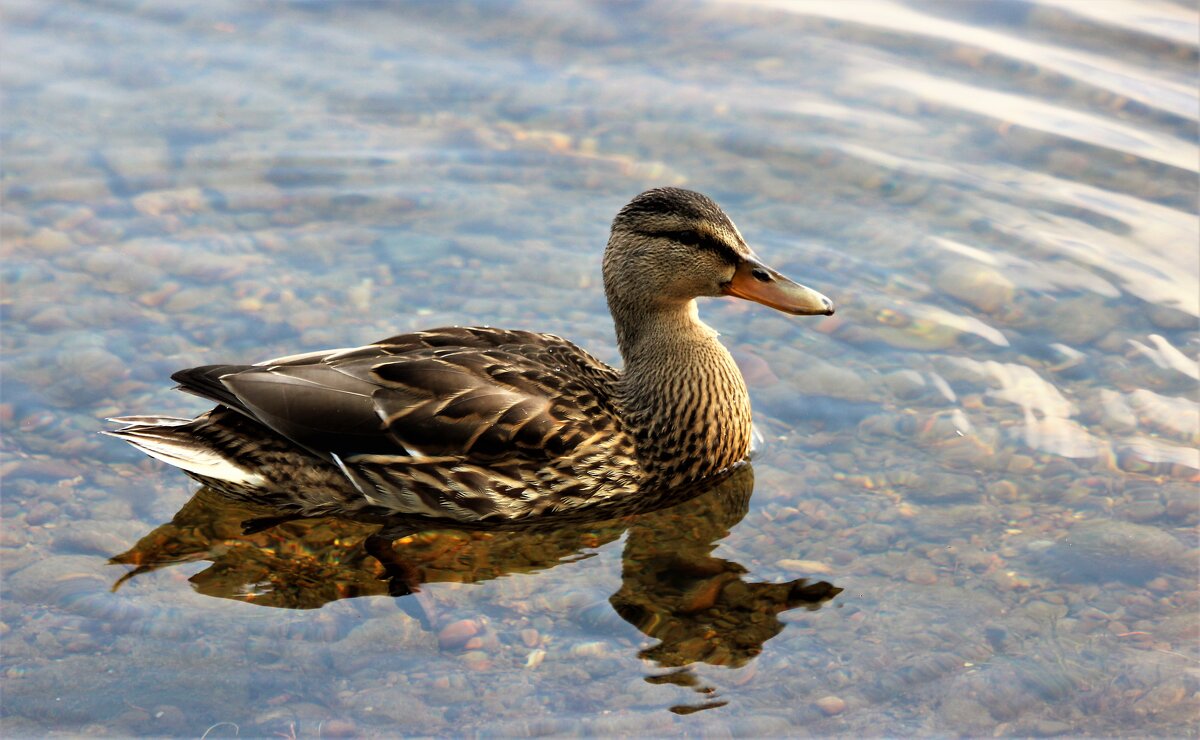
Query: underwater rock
(1103, 550)
(977, 285)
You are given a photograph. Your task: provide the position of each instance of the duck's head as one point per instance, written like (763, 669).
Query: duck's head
(669, 246)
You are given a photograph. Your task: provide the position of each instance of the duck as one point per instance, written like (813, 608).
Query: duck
(476, 425)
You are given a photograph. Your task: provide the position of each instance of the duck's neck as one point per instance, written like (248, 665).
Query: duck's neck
(682, 394)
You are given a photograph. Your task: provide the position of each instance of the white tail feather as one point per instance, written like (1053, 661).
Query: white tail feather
(183, 453)
(149, 421)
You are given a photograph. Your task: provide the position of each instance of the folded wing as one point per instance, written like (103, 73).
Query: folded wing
(476, 394)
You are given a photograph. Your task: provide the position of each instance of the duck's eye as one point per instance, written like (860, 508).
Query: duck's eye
(689, 238)
(761, 275)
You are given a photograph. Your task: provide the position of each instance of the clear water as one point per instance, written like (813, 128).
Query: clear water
(991, 448)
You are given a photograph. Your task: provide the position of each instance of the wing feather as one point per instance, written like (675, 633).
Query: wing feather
(477, 394)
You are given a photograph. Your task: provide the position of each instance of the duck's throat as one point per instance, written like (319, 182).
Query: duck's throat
(684, 398)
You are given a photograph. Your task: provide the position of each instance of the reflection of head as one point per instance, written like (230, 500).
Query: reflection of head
(698, 606)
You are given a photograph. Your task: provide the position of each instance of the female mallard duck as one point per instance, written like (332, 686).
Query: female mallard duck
(482, 425)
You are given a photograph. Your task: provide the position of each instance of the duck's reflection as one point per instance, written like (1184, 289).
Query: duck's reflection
(699, 607)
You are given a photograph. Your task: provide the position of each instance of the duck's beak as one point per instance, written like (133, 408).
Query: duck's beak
(756, 282)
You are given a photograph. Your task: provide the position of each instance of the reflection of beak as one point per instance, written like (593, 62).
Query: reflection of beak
(756, 282)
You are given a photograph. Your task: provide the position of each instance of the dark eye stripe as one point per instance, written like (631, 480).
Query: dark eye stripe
(707, 243)
(690, 238)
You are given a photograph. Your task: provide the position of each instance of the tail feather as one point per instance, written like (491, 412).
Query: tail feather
(150, 421)
(167, 439)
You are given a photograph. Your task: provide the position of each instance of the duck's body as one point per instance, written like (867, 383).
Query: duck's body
(488, 425)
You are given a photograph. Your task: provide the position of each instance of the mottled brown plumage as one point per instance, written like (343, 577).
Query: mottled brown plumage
(488, 425)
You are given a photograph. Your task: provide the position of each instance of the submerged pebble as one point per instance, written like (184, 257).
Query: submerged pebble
(1103, 550)
(831, 705)
(456, 634)
(905, 384)
(977, 285)
(942, 487)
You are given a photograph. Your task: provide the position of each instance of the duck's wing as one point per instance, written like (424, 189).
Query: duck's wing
(478, 394)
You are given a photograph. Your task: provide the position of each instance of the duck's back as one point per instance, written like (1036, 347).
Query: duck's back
(474, 393)
(488, 417)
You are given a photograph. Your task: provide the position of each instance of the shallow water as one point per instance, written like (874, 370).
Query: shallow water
(991, 448)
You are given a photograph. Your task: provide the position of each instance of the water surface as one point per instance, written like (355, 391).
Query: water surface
(991, 448)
